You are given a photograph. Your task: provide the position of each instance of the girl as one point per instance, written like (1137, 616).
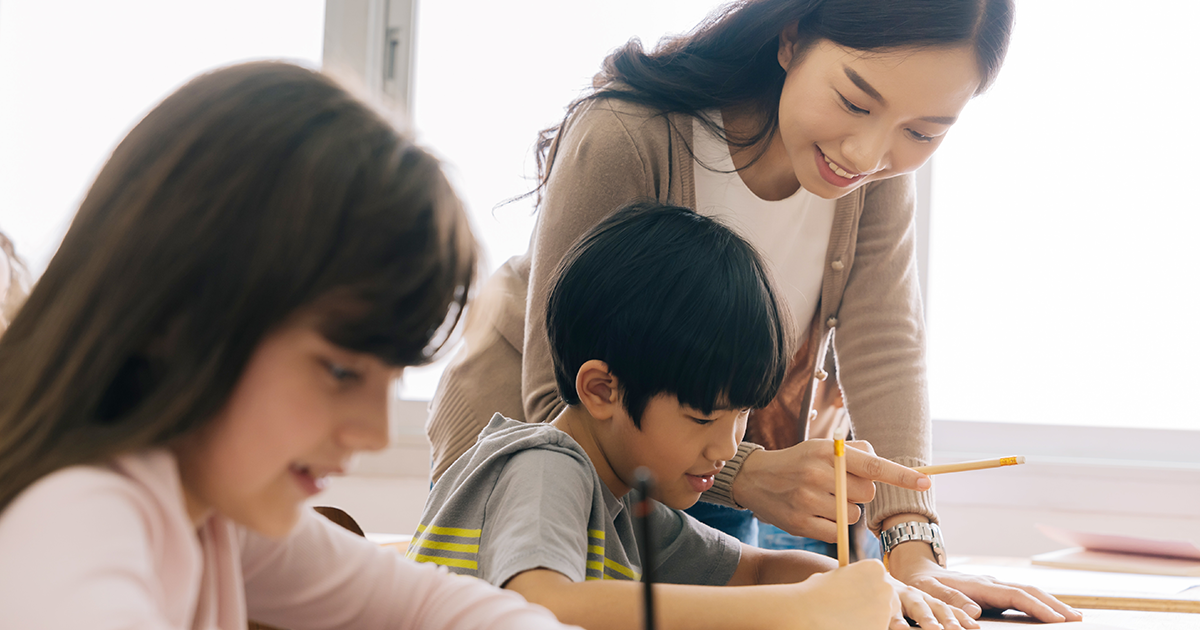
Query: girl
(800, 122)
(215, 336)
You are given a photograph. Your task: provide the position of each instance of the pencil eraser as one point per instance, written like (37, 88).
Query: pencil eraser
(1020, 459)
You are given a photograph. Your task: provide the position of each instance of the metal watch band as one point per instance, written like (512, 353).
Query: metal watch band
(914, 530)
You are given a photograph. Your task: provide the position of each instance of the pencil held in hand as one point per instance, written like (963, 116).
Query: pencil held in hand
(839, 496)
(963, 466)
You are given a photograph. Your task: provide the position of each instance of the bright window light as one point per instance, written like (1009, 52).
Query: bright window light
(490, 75)
(77, 75)
(1063, 275)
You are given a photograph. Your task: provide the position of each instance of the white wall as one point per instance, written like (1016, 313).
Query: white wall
(1119, 481)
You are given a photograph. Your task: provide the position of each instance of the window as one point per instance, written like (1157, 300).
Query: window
(1063, 274)
(77, 75)
(1059, 284)
(484, 86)
(483, 91)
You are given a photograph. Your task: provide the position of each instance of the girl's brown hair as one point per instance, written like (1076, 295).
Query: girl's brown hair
(251, 193)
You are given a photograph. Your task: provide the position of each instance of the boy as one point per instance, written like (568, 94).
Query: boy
(665, 332)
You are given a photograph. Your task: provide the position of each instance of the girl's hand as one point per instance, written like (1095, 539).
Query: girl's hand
(973, 593)
(792, 488)
(859, 596)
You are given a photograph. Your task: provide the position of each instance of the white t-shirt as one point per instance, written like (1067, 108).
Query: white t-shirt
(791, 234)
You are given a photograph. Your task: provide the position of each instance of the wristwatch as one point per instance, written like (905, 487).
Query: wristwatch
(914, 530)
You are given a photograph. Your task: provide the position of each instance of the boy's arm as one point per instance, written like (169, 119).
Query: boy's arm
(690, 552)
(857, 597)
(765, 566)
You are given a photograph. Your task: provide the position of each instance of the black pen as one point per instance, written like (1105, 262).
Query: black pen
(641, 514)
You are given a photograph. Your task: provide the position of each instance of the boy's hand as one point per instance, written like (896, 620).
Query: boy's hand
(792, 488)
(856, 596)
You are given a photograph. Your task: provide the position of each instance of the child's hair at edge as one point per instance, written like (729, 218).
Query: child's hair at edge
(253, 195)
(731, 58)
(674, 303)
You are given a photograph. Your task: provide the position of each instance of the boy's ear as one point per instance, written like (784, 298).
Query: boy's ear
(597, 388)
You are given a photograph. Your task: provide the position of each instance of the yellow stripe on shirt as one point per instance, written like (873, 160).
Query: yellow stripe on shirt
(445, 546)
(623, 570)
(450, 531)
(450, 562)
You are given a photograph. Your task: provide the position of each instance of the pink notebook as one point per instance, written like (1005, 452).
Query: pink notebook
(1123, 544)
(1124, 554)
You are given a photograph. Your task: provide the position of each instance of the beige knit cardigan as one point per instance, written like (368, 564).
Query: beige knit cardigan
(610, 153)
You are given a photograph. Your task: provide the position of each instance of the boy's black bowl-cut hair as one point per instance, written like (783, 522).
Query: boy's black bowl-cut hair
(675, 303)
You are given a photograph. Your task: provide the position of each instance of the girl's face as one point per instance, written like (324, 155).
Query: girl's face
(302, 407)
(848, 117)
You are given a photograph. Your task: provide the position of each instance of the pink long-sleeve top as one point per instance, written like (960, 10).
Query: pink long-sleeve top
(112, 547)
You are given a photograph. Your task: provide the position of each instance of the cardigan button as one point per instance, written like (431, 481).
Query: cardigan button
(832, 322)
(812, 415)
(837, 265)
(821, 374)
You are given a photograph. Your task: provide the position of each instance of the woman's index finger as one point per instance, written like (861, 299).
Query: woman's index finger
(869, 466)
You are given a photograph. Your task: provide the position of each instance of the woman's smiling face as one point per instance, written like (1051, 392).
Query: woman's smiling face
(848, 117)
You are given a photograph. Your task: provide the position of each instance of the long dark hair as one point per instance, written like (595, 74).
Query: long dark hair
(251, 194)
(731, 58)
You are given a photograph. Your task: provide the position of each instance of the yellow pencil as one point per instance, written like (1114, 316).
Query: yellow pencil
(962, 466)
(839, 495)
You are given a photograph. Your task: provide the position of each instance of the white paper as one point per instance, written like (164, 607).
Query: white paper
(1070, 582)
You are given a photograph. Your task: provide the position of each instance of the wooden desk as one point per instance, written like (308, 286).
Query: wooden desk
(1094, 618)
(395, 542)
(1101, 620)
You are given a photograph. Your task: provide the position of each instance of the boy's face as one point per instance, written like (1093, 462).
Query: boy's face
(683, 448)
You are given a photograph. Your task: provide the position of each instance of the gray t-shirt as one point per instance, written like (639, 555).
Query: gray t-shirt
(527, 496)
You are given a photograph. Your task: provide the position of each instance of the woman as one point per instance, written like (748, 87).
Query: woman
(799, 121)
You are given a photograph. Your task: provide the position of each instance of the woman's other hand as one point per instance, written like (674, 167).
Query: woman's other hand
(928, 611)
(913, 564)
